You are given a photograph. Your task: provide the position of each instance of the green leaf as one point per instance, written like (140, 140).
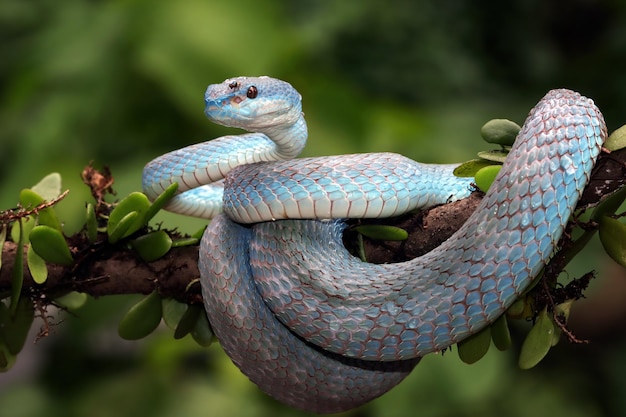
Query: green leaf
(475, 347)
(152, 246)
(538, 341)
(382, 232)
(49, 187)
(517, 309)
(128, 216)
(500, 333)
(188, 321)
(91, 223)
(185, 241)
(500, 131)
(22, 226)
(495, 155)
(485, 176)
(123, 227)
(15, 325)
(142, 318)
(160, 201)
(36, 266)
(51, 245)
(468, 169)
(173, 311)
(616, 140)
(72, 301)
(202, 332)
(612, 234)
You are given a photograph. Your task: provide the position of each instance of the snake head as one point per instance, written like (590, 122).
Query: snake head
(252, 103)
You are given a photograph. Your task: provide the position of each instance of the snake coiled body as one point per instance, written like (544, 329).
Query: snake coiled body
(310, 324)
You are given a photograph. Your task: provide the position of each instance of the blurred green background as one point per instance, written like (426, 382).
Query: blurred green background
(119, 82)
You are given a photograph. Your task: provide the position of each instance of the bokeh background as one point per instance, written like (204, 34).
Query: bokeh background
(119, 82)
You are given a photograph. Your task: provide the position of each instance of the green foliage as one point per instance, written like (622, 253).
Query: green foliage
(484, 177)
(142, 318)
(500, 131)
(91, 223)
(475, 347)
(613, 237)
(153, 245)
(484, 169)
(617, 139)
(50, 244)
(538, 341)
(14, 326)
(128, 216)
(71, 301)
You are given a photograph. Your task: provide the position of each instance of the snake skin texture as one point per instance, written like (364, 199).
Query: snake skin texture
(317, 328)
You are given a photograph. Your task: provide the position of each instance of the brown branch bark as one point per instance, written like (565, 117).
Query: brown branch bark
(115, 270)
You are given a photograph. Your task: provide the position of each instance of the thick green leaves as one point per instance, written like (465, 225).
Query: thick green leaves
(202, 332)
(134, 211)
(538, 341)
(475, 347)
(470, 168)
(485, 176)
(142, 318)
(494, 155)
(500, 131)
(14, 325)
(50, 244)
(128, 216)
(612, 234)
(152, 246)
(91, 223)
(160, 201)
(188, 321)
(36, 266)
(517, 309)
(20, 229)
(72, 300)
(49, 187)
(617, 139)
(500, 333)
(173, 311)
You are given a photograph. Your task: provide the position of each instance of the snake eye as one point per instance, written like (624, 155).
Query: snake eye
(252, 92)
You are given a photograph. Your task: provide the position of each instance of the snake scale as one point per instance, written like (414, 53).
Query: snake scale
(317, 328)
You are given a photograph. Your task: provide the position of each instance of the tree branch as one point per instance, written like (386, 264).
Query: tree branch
(113, 270)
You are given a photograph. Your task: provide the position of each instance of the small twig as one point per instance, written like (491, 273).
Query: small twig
(12, 215)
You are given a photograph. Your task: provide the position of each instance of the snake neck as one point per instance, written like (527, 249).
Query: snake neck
(289, 139)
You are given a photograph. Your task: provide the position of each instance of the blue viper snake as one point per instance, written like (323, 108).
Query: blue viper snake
(306, 321)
